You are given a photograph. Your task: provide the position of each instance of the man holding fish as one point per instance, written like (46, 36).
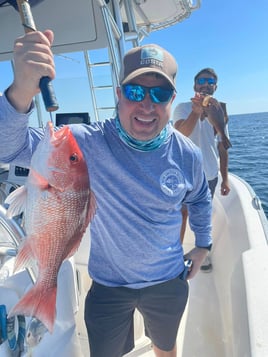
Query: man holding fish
(141, 171)
(204, 121)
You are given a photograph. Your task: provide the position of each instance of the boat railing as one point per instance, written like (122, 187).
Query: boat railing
(11, 235)
(257, 205)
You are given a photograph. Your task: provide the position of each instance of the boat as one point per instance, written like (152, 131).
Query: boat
(227, 310)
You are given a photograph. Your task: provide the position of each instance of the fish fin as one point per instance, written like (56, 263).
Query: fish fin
(16, 201)
(39, 180)
(24, 256)
(40, 303)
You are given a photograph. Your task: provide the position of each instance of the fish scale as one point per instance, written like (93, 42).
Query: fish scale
(58, 206)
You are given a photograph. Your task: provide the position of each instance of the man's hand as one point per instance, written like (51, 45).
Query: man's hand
(33, 59)
(225, 188)
(197, 255)
(197, 106)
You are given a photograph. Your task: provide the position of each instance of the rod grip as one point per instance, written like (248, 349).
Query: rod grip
(45, 83)
(48, 94)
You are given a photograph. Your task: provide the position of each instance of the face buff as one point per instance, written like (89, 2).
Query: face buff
(141, 145)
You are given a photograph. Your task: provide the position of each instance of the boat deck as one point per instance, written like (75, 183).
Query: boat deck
(202, 321)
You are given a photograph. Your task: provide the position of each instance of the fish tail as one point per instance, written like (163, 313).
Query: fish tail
(38, 302)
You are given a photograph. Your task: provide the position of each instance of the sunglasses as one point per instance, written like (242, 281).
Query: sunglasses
(202, 80)
(137, 93)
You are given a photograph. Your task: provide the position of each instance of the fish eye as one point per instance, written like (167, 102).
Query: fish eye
(74, 157)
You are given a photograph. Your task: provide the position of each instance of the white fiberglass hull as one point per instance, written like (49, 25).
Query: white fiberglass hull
(227, 313)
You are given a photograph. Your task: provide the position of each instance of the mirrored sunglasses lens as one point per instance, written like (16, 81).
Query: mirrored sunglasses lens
(211, 81)
(160, 95)
(134, 93)
(202, 81)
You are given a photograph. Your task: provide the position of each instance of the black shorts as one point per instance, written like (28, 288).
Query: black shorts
(109, 316)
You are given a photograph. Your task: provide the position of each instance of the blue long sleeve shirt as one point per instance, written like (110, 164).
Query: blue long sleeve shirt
(135, 234)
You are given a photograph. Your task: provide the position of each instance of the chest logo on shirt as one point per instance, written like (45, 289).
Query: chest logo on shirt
(172, 182)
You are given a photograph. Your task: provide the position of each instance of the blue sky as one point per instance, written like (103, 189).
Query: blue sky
(231, 36)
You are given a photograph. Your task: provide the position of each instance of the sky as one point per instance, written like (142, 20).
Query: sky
(230, 36)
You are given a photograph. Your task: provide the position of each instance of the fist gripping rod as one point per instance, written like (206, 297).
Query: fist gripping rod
(45, 84)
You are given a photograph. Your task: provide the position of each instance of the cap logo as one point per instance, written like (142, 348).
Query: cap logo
(152, 56)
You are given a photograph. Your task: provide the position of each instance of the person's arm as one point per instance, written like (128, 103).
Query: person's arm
(199, 205)
(33, 59)
(223, 156)
(197, 255)
(185, 123)
(186, 126)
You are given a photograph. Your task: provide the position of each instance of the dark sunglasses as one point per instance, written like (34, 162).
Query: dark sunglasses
(202, 80)
(137, 93)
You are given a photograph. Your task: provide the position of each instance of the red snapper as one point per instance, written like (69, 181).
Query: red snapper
(58, 205)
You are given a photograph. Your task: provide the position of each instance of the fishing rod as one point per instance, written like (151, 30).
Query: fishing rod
(45, 84)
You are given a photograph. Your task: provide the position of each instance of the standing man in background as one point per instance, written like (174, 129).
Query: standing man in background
(199, 123)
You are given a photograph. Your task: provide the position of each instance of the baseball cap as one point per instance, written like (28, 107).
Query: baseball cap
(208, 71)
(148, 58)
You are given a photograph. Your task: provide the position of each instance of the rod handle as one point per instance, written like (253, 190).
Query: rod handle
(48, 94)
(45, 84)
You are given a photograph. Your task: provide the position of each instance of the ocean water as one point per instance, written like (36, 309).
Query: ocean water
(248, 157)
